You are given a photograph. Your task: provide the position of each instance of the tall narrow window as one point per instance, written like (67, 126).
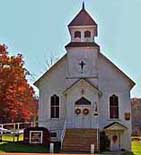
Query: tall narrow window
(114, 107)
(77, 34)
(54, 106)
(87, 34)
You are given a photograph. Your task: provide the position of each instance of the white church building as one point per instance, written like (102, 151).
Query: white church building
(84, 93)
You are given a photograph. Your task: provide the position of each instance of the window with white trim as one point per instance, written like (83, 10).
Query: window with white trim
(54, 106)
(77, 34)
(114, 107)
(87, 34)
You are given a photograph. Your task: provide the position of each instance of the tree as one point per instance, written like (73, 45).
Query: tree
(17, 101)
(50, 60)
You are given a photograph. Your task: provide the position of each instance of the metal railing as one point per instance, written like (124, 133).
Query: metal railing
(63, 133)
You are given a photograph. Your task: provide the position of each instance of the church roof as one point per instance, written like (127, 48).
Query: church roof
(82, 44)
(83, 19)
(86, 80)
(51, 68)
(119, 70)
(100, 54)
(115, 126)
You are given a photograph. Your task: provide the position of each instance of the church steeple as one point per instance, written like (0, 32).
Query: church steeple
(83, 27)
(83, 6)
(83, 18)
(82, 51)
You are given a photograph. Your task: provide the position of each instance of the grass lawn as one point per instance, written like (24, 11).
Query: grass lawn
(16, 147)
(9, 146)
(9, 138)
(136, 147)
(19, 147)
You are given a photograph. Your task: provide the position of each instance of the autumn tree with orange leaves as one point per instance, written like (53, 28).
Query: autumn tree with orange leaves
(17, 101)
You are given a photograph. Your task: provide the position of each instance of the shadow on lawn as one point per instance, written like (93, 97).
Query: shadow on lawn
(117, 153)
(19, 147)
(128, 153)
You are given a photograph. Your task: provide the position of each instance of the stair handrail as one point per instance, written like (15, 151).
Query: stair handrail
(63, 133)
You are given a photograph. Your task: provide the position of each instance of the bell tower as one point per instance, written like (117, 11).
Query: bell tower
(83, 28)
(82, 49)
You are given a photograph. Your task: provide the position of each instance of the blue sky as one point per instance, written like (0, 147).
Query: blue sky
(38, 29)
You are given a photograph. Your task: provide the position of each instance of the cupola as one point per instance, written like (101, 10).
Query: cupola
(83, 28)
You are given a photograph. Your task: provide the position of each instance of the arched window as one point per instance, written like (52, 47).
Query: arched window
(54, 106)
(87, 34)
(114, 107)
(77, 34)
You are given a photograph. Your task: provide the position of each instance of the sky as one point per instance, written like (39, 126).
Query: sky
(38, 30)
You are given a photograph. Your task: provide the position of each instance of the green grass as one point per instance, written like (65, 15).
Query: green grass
(128, 153)
(16, 147)
(9, 146)
(136, 147)
(10, 138)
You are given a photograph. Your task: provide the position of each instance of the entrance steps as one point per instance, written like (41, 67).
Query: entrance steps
(79, 140)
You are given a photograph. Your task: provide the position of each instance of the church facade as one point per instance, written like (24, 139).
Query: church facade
(84, 94)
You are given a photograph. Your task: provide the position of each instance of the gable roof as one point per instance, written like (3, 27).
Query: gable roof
(119, 70)
(52, 67)
(86, 80)
(82, 19)
(82, 44)
(115, 126)
(108, 60)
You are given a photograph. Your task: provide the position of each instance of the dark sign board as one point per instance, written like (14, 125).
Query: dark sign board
(36, 135)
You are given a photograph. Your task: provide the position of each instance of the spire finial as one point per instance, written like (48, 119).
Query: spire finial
(83, 6)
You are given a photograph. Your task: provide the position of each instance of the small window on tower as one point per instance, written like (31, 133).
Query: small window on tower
(77, 34)
(87, 34)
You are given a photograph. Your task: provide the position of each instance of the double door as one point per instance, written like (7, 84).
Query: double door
(82, 117)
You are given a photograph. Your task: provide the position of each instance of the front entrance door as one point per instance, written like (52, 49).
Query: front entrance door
(115, 142)
(82, 113)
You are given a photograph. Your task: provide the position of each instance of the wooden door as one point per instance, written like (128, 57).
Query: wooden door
(82, 115)
(82, 119)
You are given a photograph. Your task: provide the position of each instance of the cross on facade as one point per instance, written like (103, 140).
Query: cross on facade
(82, 64)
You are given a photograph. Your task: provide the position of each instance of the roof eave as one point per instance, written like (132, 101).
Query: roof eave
(73, 22)
(82, 44)
(108, 126)
(132, 83)
(36, 83)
